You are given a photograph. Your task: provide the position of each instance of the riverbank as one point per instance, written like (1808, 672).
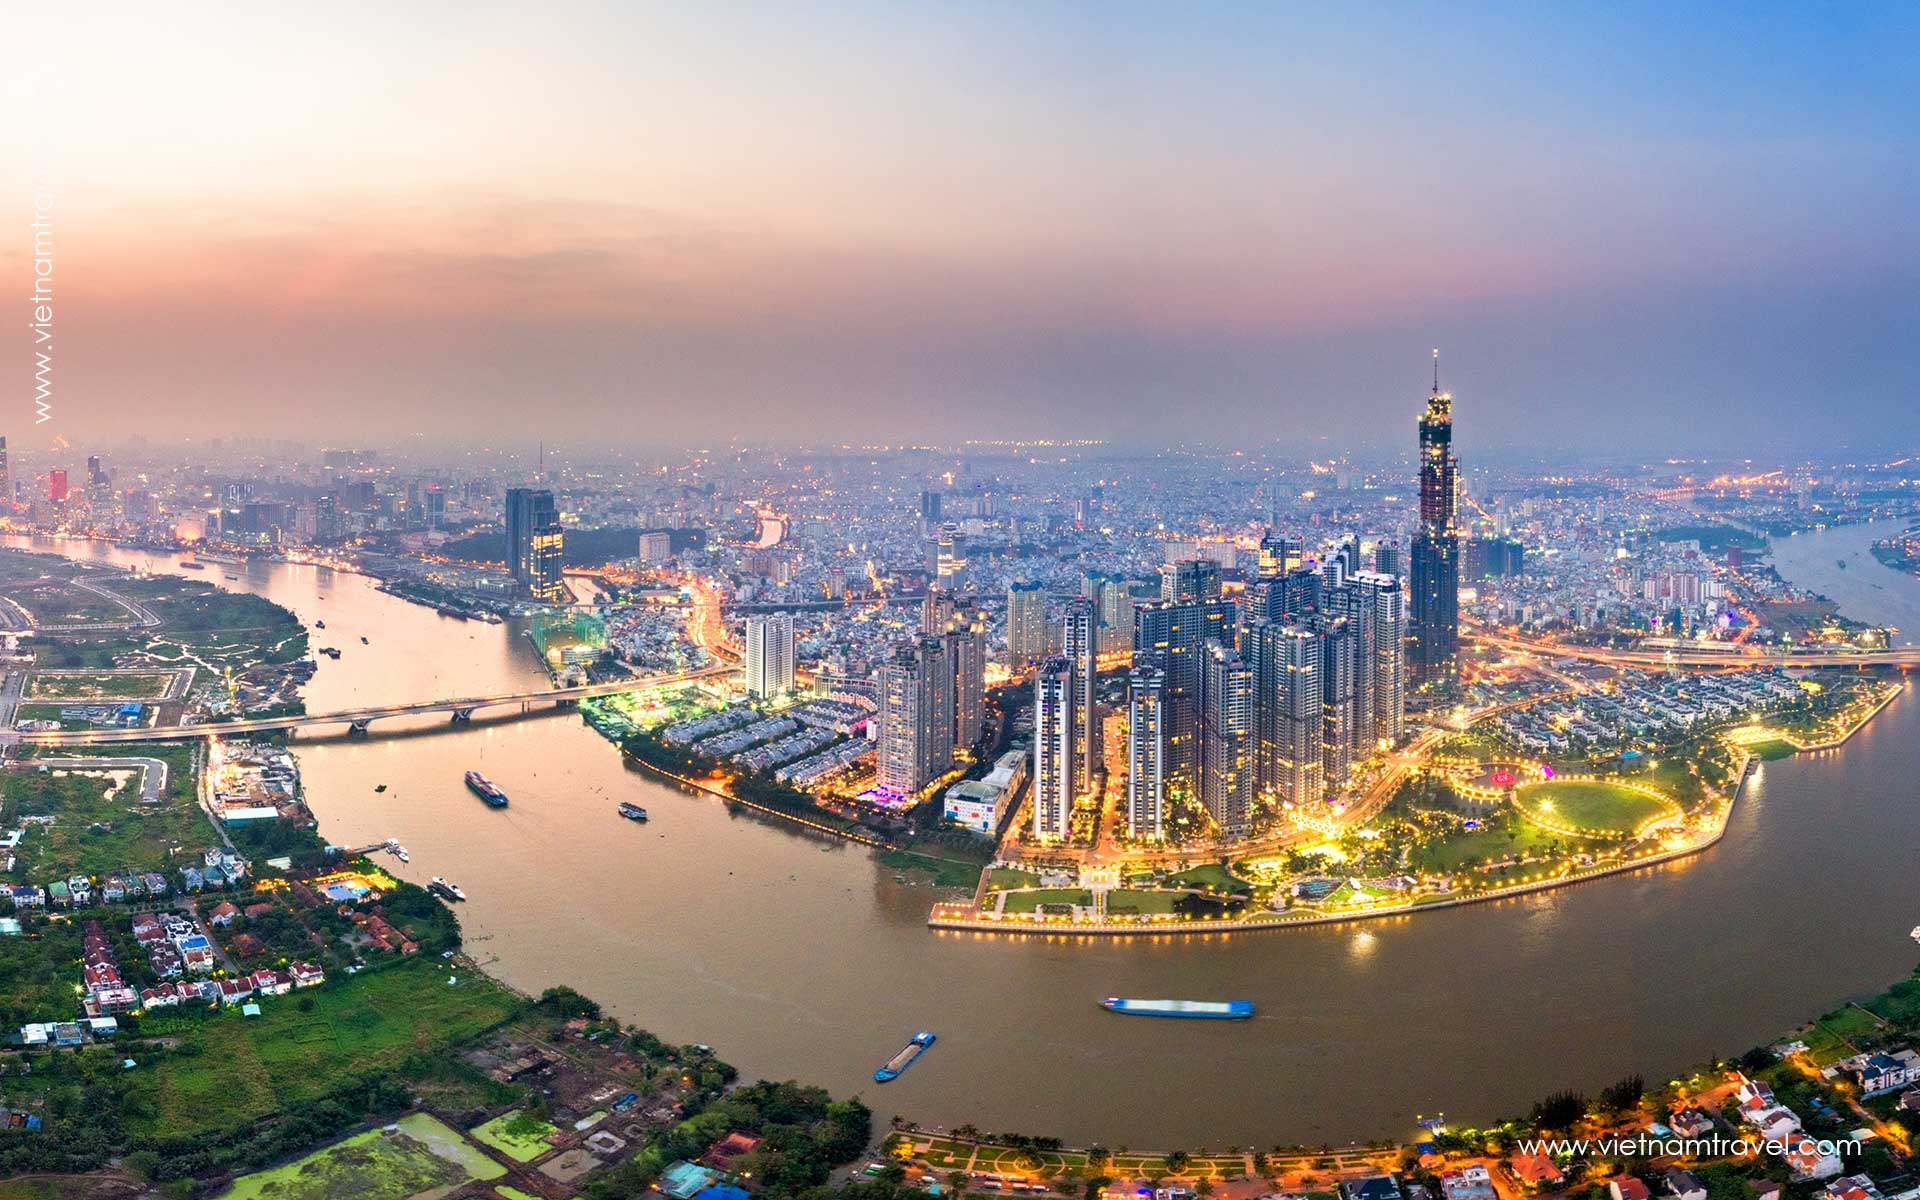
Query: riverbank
(710, 924)
(965, 917)
(695, 786)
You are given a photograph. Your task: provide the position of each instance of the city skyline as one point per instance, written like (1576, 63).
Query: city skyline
(1066, 222)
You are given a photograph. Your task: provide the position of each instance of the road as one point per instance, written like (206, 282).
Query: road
(1906, 656)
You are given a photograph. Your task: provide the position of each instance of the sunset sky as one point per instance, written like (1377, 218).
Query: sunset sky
(1667, 227)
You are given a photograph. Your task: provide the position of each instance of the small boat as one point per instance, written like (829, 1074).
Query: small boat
(379, 787)
(632, 812)
(904, 1059)
(319, 624)
(483, 787)
(1219, 1010)
(400, 852)
(190, 565)
(363, 641)
(233, 577)
(1915, 935)
(439, 886)
(330, 652)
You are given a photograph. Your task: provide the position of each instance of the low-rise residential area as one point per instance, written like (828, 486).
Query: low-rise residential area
(1832, 1112)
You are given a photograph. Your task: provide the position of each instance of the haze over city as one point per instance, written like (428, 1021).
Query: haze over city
(961, 601)
(889, 223)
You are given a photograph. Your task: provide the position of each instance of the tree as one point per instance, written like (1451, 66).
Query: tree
(1625, 1095)
(1561, 1110)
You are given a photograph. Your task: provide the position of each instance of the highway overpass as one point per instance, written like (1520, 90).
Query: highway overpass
(460, 709)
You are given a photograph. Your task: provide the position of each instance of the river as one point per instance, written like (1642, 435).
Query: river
(1866, 589)
(796, 957)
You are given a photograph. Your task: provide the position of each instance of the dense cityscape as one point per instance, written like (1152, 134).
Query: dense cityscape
(955, 601)
(1070, 690)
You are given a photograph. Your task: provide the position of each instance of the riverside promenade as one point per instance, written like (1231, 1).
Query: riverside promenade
(962, 917)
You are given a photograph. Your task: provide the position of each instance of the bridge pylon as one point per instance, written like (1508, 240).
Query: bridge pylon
(462, 716)
(359, 728)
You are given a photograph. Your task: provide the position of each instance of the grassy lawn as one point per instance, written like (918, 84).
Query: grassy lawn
(1002, 879)
(240, 1069)
(1771, 751)
(1026, 902)
(946, 872)
(1604, 808)
(519, 1135)
(1834, 1035)
(1124, 902)
(424, 1156)
(1209, 877)
(1485, 845)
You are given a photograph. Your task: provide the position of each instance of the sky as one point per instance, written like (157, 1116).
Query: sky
(1680, 227)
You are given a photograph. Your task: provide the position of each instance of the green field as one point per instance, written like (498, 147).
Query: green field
(1595, 805)
(93, 834)
(423, 1156)
(1209, 877)
(1026, 902)
(98, 686)
(1772, 751)
(238, 1069)
(1125, 902)
(1000, 879)
(519, 1135)
(1465, 849)
(51, 712)
(945, 872)
(56, 602)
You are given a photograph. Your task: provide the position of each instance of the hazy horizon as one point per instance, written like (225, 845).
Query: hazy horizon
(1677, 232)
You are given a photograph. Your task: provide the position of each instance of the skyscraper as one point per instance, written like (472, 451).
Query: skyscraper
(1026, 624)
(1226, 773)
(915, 717)
(1385, 641)
(769, 654)
(1053, 768)
(949, 559)
(6, 479)
(966, 637)
(1170, 636)
(1146, 754)
(1339, 663)
(1190, 581)
(936, 611)
(1288, 666)
(534, 543)
(1116, 613)
(1434, 631)
(1081, 640)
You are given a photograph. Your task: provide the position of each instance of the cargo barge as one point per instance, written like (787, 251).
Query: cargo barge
(1218, 1010)
(483, 787)
(904, 1059)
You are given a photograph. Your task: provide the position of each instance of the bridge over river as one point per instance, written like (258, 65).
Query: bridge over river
(358, 719)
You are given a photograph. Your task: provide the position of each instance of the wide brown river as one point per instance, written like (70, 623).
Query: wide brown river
(796, 957)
